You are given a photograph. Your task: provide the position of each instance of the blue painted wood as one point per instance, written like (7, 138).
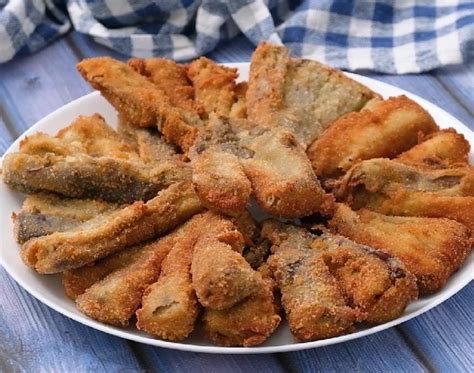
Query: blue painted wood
(165, 360)
(459, 80)
(6, 136)
(35, 338)
(444, 335)
(33, 86)
(382, 352)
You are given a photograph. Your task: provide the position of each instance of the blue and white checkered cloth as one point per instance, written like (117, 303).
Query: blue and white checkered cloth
(404, 36)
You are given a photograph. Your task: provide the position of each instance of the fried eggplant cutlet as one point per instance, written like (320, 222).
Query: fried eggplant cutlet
(268, 163)
(394, 188)
(328, 282)
(171, 78)
(139, 101)
(170, 307)
(302, 96)
(112, 232)
(77, 281)
(74, 165)
(431, 248)
(248, 323)
(215, 88)
(115, 298)
(439, 148)
(386, 129)
(46, 213)
(221, 275)
(148, 143)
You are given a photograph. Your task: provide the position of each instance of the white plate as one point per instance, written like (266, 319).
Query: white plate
(48, 289)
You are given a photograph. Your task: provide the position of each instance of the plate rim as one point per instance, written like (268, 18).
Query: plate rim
(83, 319)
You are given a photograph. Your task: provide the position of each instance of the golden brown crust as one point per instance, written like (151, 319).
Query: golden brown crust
(445, 146)
(220, 182)
(87, 160)
(248, 323)
(46, 213)
(221, 275)
(313, 301)
(282, 179)
(169, 306)
(394, 188)
(112, 232)
(377, 285)
(239, 107)
(302, 96)
(115, 298)
(150, 145)
(214, 85)
(388, 128)
(139, 101)
(77, 281)
(171, 78)
(432, 249)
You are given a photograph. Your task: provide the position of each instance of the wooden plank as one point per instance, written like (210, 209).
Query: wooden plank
(444, 334)
(35, 338)
(6, 136)
(459, 81)
(165, 360)
(33, 86)
(382, 352)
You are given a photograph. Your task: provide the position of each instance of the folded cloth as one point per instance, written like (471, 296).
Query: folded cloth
(404, 36)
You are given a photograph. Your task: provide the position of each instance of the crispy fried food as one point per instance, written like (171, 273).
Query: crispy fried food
(313, 301)
(388, 128)
(139, 101)
(432, 249)
(300, 95)
(46, 213)
(221, 276)
(170, 306)
(114, 299)
(171, 78)
(276, 166)
(87, 160)
(257, 254)
(112, 232)
(375, 283)
(248, 323)
(214, 85)
(94, 137)
(281, 176)
(394, 188)
(83, 176)
(148, 142)
(77, 281)
(445, 146)
(239, 108)
(220, 182)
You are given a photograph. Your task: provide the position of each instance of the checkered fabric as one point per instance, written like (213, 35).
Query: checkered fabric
(404, 36)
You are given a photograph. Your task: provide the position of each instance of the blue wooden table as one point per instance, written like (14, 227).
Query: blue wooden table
(36, 338)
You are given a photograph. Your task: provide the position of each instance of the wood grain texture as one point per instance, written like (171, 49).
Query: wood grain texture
(459, 81)
(164, 360)
(382, 352)
(35, 338)
(34, 86)
(444, 335)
